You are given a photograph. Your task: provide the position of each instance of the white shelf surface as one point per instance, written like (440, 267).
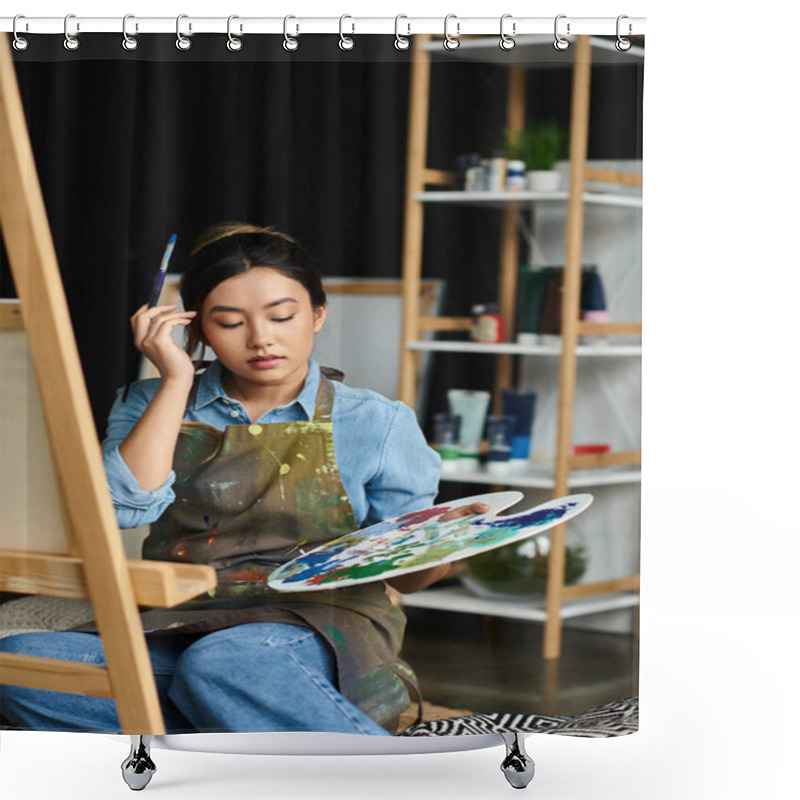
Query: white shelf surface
(522, 198)
(457, 598)
(596, 350)
(540, 476)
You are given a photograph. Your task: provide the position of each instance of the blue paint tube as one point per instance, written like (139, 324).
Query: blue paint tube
(520, 404)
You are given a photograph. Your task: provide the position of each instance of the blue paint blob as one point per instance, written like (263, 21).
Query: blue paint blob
(534, 518)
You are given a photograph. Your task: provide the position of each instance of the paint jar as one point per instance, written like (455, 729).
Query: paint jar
(475, 179)
(464, 163)
(475, 313)
(471, 406)
(515, 176)
(499, 432)
(446, 434)
(497, 173)
(520, 404)
(490, 325)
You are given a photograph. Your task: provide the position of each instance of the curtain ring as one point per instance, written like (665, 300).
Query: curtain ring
(182, 42)
(20, 42)
(71, 42)
(622, 44)
(450, 42)
(129, 42)
(234, 43)
(506, 42)
(560, 42)
(290, 43)
(401, 42)
(346, 42)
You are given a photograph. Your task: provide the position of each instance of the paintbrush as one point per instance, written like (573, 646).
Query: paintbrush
(155, 293)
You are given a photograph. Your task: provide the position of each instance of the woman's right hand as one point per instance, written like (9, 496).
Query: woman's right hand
(152, 335)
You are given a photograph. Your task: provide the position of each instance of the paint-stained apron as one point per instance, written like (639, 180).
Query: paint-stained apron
(252, 497)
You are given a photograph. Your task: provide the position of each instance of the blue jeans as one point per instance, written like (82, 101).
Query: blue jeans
(262, 676)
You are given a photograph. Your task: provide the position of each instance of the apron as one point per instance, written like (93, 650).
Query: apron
(252, 497)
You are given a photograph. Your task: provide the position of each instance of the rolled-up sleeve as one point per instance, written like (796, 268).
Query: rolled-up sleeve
(133, 505)
(407, 478)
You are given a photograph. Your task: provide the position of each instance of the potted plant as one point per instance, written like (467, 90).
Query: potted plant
(540, 146)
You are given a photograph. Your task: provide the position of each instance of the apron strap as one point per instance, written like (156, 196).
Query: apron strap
(324, 404)
(403, 671)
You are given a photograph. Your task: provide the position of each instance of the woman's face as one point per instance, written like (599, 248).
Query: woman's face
(261, 325)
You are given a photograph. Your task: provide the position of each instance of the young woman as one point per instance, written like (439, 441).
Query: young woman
(243, 467)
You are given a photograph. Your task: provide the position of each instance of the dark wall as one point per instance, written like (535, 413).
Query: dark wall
(133, 146)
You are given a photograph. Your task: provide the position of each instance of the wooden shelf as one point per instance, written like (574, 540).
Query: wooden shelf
(594, 350)
(587, 186)
(533, 476)
(460, 599)
(509, 199)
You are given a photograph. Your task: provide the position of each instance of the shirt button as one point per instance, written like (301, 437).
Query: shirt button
(234, 413)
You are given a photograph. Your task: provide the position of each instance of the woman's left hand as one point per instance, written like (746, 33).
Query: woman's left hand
(414, 581)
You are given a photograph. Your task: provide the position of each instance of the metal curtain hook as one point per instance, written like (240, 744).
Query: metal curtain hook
(129, 42)
(290, 43)
(450, 42)
(346, 42)
(622, 44)
(560, 42)
(182, 42)
(234, 44)
(506, 42)
(71, 42)
(20, 42)
(401, 42)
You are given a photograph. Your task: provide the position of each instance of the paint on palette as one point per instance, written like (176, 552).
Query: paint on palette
(416, 541)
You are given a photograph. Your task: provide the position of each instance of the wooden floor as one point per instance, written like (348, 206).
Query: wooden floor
(482, 664)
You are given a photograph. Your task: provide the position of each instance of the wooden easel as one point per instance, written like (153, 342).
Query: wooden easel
(85, 558)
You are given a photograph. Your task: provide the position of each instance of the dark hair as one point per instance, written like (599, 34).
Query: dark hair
(233, 248)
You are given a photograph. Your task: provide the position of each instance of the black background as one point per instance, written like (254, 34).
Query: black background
(132, 146)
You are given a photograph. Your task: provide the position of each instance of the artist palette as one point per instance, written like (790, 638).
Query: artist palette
(421, 540)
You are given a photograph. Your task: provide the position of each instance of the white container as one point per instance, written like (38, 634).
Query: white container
(497, 174)
(472, 407)
(544, 180)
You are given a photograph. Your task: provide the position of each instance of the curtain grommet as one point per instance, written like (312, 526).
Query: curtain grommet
(401, 42)
(450, 42)
(71, 42)
(560, 43)
(234, 44)
(346, 42)
(129, 42)
(290, 43)
(20, 42)
(507, 42)
(623, 44)
(182, 42)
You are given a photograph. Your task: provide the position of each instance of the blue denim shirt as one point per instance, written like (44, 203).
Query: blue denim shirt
(386, 465)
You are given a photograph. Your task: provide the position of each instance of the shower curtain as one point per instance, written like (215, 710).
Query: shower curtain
(133, 145)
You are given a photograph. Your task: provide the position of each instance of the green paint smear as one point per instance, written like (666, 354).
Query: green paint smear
(335, 634)
(361, 571)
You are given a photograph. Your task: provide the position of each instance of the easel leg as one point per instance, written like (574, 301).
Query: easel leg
(138, 768)
(518, 766)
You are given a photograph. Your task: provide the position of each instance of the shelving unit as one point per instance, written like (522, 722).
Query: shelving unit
(567, 471)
